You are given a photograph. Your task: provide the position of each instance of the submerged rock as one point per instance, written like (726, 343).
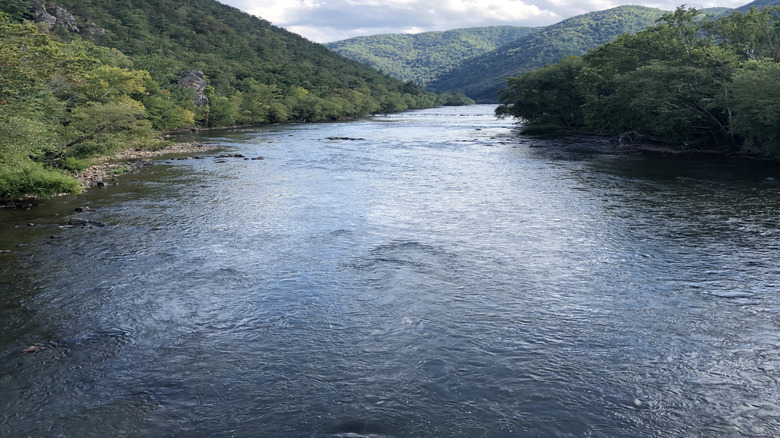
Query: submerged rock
(344, 138)
(74, 221)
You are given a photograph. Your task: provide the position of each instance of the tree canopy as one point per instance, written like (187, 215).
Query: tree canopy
(684, 81)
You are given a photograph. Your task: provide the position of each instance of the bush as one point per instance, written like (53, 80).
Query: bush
(74, 164)
(32, 179)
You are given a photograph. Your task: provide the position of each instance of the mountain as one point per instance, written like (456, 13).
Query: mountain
(482, 77)
(422, 57)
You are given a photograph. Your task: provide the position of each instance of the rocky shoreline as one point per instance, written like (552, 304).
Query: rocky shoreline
(133, 161)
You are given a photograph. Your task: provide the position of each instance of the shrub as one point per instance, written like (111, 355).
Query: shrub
(32, 179)
(74, 164)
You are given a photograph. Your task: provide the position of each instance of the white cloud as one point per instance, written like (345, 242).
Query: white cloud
(330, 20)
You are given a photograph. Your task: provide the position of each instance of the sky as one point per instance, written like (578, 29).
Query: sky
(331, 20)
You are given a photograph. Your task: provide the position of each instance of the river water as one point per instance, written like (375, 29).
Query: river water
(435, 275)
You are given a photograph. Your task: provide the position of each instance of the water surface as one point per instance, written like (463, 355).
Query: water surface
(433, 276)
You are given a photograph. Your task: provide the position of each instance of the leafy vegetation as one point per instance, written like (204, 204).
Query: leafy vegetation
(66, 97)
(59, 105)
(483, 77)
(422, 57)
(684, 81)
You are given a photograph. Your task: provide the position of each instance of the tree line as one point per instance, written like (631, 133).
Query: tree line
(687, 81)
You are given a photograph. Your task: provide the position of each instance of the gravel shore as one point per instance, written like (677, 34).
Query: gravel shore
(133, 161)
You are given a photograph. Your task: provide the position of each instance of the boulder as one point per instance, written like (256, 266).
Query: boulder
(53, 16)
(194, 79)
(74, 221)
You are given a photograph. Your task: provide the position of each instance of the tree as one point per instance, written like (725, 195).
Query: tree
(546, 96)
(16, 9)
(103, 128)
(29, 59)
(755, 99)
(755, 35)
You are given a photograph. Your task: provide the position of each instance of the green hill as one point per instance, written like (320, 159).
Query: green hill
(482, 77)
(422, 57)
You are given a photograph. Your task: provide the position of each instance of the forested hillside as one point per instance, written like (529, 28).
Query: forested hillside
(90, 77)
(422, 57)
(482, 77)
(687, 82)
(242, 55)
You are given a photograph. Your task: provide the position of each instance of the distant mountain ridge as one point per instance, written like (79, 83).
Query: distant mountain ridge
(420, 58)
(482, 77)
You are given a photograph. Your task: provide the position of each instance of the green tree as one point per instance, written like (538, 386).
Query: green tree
(546, 96)
(165, 114)
(755, 35)
(16, 9)
(755, 100)
(103, 128)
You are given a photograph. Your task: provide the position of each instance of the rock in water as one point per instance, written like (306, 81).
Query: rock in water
(74, 221)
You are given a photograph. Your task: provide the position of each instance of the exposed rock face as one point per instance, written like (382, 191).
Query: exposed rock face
(54, 16)
(194, 79)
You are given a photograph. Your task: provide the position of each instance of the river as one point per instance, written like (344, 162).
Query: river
(425, 274)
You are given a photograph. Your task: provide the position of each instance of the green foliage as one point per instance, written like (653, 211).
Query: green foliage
(99, 128)
(546, 96)
(673, 82)
(16, 9)
(29, 59)
(73, 164)
(755, 35)
(24, 137)
(541, 130)
(755, 101)
(453, 99)
(164, 113)
(62, 103)
(32, 179)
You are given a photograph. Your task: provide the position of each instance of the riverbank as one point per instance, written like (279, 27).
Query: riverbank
(107, 168)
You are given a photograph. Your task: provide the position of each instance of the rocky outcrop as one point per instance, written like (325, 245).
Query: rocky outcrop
(194, 79)
(53, 16)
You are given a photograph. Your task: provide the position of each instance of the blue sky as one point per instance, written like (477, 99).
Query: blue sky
(331, 20)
